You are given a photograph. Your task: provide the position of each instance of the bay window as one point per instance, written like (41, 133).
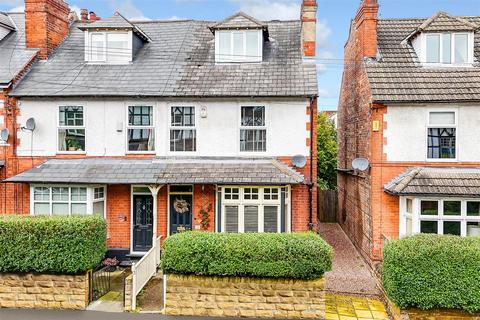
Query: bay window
(141, 129)
(71, 129)
(253, 132)
(441, 135)
(183, 135)
(254, 209)
(61, 200)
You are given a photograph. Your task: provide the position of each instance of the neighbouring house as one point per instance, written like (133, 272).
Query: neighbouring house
(332, 115)
(165, 126)
(409, 104)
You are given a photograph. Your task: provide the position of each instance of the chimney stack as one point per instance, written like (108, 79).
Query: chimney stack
(84, 15)
(308, 18)
(366, 27)
(46, 25)
(93, 16)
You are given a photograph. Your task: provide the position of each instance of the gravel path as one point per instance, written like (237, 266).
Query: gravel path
(350, 274)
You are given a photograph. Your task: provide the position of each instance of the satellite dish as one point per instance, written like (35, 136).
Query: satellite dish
(299, 161)
(4, 134)
(360, 164)
(30, 125)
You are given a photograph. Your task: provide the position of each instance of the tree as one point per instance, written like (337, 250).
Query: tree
(326, 152)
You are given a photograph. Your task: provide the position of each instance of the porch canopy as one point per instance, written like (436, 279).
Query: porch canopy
(200, 170)
(455, 182)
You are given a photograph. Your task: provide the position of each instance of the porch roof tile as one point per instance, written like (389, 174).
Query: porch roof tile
(161, 171)
(464, 182)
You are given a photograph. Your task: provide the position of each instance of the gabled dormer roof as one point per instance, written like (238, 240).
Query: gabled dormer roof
(240, 20)
(443, 22)
(117, 21)
(6, 22)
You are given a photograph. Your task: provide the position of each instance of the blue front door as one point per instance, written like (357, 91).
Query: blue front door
(180, 213)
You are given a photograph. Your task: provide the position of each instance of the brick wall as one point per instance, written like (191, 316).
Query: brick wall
(204, 198)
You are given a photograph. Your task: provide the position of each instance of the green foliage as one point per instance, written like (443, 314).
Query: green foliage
(326, 152)
(269, 255)
(432, 271)
(51, 244)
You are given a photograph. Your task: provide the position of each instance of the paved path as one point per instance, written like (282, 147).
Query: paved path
(350, 274)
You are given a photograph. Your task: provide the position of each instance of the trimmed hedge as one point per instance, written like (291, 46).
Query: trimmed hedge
(51, 244)
(432, 271)
(269, 255)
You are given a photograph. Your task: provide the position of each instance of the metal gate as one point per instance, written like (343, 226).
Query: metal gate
(100, 282)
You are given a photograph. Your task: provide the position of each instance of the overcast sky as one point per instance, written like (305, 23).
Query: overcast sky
(333, 21)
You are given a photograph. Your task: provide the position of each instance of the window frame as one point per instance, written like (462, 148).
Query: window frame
(231, 58)
(172, 127)
(88, 202)
(261, 203)
(441, 63)
(442, 126)
(417, 217)
(242, 127)
(151, 126)
(65, 127)
(106, 60)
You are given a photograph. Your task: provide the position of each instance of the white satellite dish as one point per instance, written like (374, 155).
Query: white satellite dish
(360, 164)
(299, 161)
(30, 125)
(4, 134)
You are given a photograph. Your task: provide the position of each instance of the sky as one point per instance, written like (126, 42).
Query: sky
(334, 18)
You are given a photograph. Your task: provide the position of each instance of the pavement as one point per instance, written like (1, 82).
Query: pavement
(350, 274)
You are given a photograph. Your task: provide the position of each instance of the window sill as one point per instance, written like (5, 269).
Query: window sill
(441, 160)
(141, 152)
(71, 152)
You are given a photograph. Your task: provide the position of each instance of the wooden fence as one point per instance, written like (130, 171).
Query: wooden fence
(327, 205)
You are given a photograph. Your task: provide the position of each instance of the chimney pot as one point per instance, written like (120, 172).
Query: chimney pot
(93, 16)
(308, 19)
(84, 15)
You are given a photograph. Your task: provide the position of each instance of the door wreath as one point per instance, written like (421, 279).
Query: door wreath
(181, 206)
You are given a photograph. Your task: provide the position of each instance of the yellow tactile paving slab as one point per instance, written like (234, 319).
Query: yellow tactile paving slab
(339, 307)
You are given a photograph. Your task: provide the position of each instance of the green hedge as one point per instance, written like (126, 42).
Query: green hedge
(51, 244)
(431, 271)
(271, 255)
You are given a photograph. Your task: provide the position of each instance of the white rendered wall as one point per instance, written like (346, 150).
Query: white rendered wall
(217, 135)
(406, 132)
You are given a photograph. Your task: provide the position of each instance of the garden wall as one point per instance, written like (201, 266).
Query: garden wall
(43, 291)
(188, 295)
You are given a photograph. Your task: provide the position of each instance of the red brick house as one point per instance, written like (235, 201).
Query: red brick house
(164, 126)
(409, 104)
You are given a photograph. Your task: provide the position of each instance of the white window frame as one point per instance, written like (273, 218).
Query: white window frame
(241, 58)
(88, 47)
(182, 128)
(104, 199)
(65, 127)
(440, 218)
(151, 126)
(264, 127)
(436, 126)
(261, 203)
(470, 50)
(89, 200)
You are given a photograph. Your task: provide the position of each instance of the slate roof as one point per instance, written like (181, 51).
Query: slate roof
(436, 182)
(239, 20)
(399, 77)
(178, 62)
(5, 21)
(13, 54)
(258, 171)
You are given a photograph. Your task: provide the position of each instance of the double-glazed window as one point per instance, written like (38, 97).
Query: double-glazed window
(71, 129)
(253, 133)
(183, 135)
(68, 200)
(111, 47)
(448, 48)
(450, 216)
(442, 135)
(252, 209)
(239, 46)
(141, 129)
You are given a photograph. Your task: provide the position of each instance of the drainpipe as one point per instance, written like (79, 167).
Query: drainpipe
(311, 183)
(154, 190)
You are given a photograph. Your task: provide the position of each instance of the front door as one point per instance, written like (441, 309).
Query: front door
(142, 222)
(180, 213)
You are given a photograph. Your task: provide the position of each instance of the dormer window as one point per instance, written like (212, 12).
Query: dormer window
(448, 48)
(239, 46)
(110, 47)
(239, 38)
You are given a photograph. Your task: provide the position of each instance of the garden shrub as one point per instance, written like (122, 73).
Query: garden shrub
(51, 244)
(271, 255)
(432, 271)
